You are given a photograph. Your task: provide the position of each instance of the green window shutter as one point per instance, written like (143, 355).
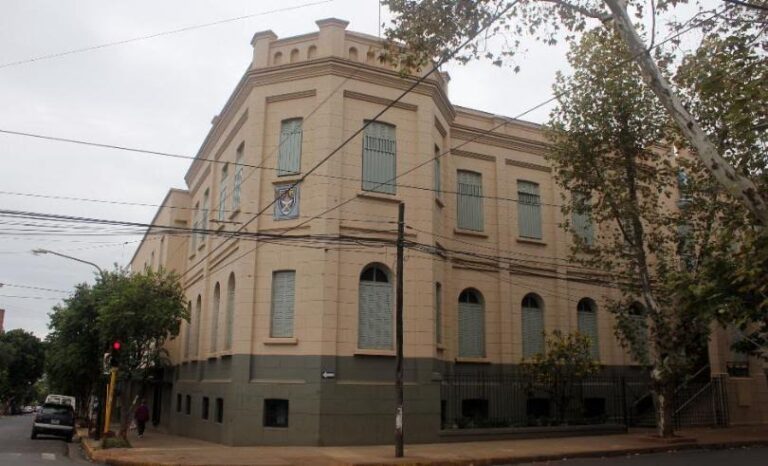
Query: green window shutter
(230, 312)
(379, 158)
(587, 324)
(469, 201)
(528, 209)
(289, 154)
(375, 315)
(283, 290)
(471, 330)
(533, 331)
(215, 318)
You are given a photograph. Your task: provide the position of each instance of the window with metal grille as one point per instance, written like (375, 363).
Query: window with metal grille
(375, 309)
(275, 413)
(230, 312)
(379, 158)
(582, 219)
(206, 408)
(586, 312)
(471, 324)
(238, 178)
(215, 317)
(528, 209)
(469, 200)
(223, 192)
(219, 410)
(438, 313)
(289, 152)
(283, 291)
(533, 325)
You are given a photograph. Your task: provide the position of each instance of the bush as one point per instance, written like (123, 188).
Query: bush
(115, 442)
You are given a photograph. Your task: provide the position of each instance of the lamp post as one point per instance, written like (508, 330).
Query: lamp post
(41, 251)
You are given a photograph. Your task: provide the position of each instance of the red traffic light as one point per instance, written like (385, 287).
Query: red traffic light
(116, 345)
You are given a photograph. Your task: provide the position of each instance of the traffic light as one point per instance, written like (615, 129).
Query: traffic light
(114, 354)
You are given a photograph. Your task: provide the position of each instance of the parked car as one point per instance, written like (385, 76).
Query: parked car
(28, 409)
(55, 419)
(61, 399)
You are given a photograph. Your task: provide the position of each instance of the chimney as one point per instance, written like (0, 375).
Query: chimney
(2, 317)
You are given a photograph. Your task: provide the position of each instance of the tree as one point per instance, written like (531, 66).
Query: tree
(564, 364)
(434, 28)
(74, 348)
(20, 367)
(140, 310)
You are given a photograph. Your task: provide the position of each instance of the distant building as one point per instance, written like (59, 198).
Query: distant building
(293, 343)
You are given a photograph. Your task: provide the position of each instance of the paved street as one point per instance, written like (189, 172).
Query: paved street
(734, 457)
(17, 449)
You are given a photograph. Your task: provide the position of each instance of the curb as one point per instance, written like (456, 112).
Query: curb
(499, 460)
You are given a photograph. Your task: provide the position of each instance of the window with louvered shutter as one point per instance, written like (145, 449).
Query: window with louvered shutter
(230, 312)
(283, 290)
(289, 154)
(223, 192)
(471, 325)
(533, 326)
(438, 313)
(375, 310)
(238, 178)
(586, 313)
(438, 174)
(528, 209)
(581, 219)
(379, 158)
(196, 327)
(469, 200)
(215, 317)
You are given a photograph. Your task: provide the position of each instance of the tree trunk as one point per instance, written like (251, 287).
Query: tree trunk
(739, 186)
(664, 392)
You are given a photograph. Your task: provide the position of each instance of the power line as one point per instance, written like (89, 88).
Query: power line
(753, 6)
(159, 34)
(32, 287)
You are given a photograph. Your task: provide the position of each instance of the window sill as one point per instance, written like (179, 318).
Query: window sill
(281, 341)
(535, 241)
(384, 197)
(374, 352)
(465, 360)
(476, 234)
(439, 203)
(287, 179)
(225, 354)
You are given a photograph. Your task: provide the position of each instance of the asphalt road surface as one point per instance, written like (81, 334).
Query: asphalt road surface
(757, 456)
(17, 449)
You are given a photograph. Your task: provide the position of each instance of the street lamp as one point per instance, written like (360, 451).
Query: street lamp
(40, 251)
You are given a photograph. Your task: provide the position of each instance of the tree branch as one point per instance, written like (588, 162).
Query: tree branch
(584, 11)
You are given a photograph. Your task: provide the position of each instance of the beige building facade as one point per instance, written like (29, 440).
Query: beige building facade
(292, 341)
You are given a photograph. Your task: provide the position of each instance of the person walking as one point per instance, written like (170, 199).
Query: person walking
(141, 416)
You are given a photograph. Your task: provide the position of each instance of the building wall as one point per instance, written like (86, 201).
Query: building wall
(335, 90)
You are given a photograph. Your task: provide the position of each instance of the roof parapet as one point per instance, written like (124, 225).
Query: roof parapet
(260, 43)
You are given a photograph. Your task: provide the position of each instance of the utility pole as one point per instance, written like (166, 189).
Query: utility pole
(399, 332)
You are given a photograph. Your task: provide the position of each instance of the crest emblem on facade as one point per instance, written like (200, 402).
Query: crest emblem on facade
(287, 202)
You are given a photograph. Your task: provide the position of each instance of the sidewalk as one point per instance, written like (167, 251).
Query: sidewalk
(162, 449)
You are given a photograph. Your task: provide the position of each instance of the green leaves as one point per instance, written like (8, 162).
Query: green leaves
(21, 365)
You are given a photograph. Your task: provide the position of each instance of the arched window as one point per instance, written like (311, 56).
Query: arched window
(353, 53)
(215, 317)
(311, 52)
(278, 58)
(196, 326)
(294, 55)
(533, 325)
(375, 309)
(471, 324)
(230, 320)
(586, 313)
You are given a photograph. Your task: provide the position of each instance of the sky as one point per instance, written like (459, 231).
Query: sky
(157, 94)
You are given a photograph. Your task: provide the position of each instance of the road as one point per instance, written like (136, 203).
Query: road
(757, 456)
(17, 449)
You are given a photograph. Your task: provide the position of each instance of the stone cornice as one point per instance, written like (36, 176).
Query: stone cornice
(467, 133)
(440, 128)
(532, 166)
(473, 155)
(291, 96)
(379, 100)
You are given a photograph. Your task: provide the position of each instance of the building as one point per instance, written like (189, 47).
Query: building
(292, 342)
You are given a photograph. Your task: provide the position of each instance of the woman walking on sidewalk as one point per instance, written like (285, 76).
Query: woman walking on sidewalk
(141, 416)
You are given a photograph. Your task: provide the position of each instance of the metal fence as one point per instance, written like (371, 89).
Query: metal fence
(481, 400)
